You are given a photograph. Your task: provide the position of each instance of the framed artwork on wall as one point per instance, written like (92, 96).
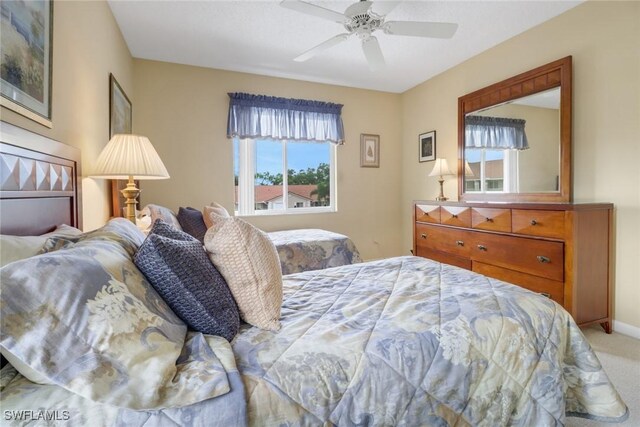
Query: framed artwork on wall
(427, 146)
(26, 50)
(369, 151)
(120, 110)
(120, 121)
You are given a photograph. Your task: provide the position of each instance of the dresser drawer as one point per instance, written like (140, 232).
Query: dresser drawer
(538, 223)
(550, 288)
(538, 257)
(444, 257)
(455, 215)
(491, 219)
(428, 213)
(443, 239)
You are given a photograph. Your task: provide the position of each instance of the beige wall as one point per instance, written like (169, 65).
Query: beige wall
(604, 40)
(87, 46)
(183, 110)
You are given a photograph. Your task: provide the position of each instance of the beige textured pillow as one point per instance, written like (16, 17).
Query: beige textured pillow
(214, 208)
(248, 260)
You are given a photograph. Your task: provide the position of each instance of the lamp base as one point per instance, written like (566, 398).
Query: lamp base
(441, 197)
(130, 193)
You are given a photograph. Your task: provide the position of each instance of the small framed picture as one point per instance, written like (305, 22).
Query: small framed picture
(120, 111)
(369, 151)
(427, 146)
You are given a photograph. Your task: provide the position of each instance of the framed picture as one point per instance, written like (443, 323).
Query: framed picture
(120, 111)
(26, 47)
(369, 151)
(427, 146)
(120, 121)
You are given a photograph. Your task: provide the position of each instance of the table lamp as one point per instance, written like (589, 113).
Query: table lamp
(441, 169)
(130, 157)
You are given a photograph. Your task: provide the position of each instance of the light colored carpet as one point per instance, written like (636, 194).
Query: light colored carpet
(620, 357)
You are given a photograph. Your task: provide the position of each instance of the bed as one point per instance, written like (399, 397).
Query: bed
(401, 341)
(313, 249)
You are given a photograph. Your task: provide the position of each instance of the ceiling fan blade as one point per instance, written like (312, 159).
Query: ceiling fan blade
(372, 51)
(440, 30)
(382, 8)
(321, 47)
(312, 9)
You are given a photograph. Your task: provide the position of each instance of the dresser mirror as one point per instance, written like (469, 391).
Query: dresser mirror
(514, 138)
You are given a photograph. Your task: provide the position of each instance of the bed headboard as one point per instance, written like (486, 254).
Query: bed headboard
(39, 185)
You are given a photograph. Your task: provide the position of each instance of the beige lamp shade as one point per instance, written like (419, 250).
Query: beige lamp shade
(128, 156)
(441, 168)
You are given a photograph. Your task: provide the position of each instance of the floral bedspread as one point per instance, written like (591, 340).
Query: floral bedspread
(313, 249)
(409, 341)
(399, 342)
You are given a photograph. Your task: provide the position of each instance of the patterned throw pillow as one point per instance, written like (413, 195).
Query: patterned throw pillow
(191, 221)
(177, 266)
(249, 262)
(86, 319)
(160, 212)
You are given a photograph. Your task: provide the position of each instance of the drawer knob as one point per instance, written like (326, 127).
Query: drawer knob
(543, 259)
(424, 236)
(534, 222)
(482, 247)
(454, 216)
(489, 219)
(459, 243)
(545, 294)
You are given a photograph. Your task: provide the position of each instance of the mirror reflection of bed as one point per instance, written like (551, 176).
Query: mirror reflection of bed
(404, 340)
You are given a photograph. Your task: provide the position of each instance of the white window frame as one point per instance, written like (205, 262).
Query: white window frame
(510, 181)
(246, 182)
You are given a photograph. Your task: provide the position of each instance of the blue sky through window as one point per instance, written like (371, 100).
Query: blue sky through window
(300, 155)
(473, 155)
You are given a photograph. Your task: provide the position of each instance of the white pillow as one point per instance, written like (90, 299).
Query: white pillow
(15, 248)
(247, 259)
(160, 212)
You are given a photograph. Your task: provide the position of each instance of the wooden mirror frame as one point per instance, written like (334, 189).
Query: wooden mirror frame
(549, 76)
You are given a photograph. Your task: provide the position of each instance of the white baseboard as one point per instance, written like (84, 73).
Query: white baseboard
(626, 329)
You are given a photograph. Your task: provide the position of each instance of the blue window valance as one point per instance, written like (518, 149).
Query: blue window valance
(260, 116)
(495, 133)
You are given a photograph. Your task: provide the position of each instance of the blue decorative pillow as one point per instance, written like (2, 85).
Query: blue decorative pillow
(178, 267)
(191, 221)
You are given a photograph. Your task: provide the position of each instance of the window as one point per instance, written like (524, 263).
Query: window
(494, 171)
(279, 177)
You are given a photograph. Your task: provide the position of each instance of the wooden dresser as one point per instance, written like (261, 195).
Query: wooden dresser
(562, 251)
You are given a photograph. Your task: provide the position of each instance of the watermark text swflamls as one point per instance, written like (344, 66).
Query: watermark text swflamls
(31, 415)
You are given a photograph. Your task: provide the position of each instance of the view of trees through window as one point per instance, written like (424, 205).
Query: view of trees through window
(303, 168)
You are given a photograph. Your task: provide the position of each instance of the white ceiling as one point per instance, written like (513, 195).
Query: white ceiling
(261, 37)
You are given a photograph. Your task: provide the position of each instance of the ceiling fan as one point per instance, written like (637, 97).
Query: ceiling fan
(363, 19)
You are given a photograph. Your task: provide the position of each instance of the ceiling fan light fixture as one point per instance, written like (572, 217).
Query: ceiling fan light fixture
(362, 19)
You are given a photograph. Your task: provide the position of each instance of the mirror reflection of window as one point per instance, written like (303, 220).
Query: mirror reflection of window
(535, 169)
(491, 171)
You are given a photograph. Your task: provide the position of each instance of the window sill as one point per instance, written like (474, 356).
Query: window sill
(298, 211)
